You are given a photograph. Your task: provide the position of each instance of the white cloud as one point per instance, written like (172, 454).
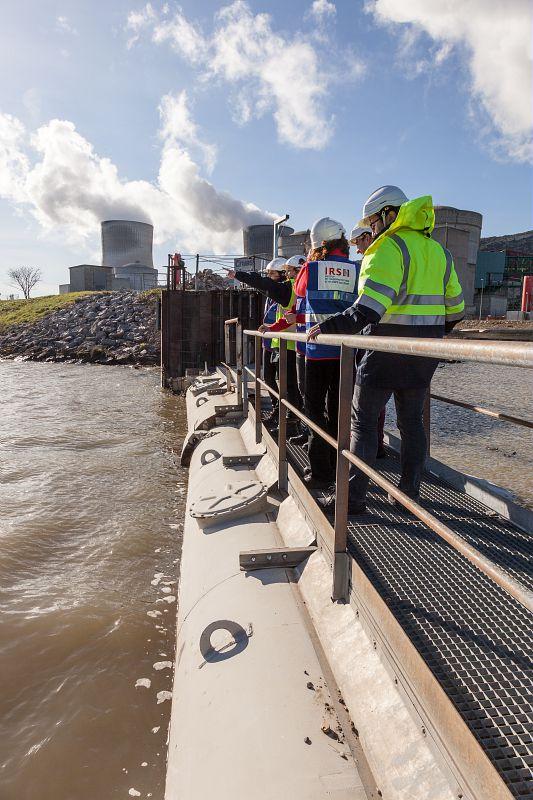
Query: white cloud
(321, 9)
(56, 174)
(269, 71)
(496, 38)
(64, 26)
(179, 126)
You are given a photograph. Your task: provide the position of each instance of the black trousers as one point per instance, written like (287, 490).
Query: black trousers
(321, 405)
(269, 373)
(300, 374)
(367, 403)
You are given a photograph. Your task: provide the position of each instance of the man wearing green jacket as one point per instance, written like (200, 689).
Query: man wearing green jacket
(407, 287)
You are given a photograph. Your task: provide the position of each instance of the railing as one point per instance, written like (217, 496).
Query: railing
(238, 355)
(497, 353)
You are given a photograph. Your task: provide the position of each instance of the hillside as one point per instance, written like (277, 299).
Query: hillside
(522, 242)
(104, 327)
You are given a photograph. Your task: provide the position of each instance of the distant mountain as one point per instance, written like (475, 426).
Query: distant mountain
(522, 242)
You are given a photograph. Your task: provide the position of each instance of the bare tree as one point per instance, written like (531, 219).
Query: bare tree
(25, 278)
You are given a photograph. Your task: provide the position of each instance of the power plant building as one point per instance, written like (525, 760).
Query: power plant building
(460, 232)
(127, 261)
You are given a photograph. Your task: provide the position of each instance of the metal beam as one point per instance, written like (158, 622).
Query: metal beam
(274, 557)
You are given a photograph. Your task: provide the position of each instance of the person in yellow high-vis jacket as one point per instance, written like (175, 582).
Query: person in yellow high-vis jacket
(407, 287)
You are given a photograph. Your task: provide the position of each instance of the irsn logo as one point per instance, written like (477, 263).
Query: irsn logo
(345, 273)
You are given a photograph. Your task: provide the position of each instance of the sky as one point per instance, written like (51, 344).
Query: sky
(205, 117)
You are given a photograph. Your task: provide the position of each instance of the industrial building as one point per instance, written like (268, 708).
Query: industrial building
(127, 261)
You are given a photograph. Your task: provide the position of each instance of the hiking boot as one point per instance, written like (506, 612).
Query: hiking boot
(317, 482)
(327, 503)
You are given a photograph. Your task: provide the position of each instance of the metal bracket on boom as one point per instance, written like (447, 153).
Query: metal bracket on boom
(237, 461)
(275, 557)
(222, 411)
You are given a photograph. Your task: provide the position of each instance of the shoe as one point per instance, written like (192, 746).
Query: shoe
(271, 417)
(313, 482)
(382, 453)
(300, 439)
(327, 503)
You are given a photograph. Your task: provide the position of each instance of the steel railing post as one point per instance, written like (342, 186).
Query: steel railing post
(282, 417)
(241, 370)
(227, 350)
(341, 560)
(427, 420)
(257, 389)
(238, 359)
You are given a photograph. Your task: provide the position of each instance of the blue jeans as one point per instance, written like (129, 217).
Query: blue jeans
(367, 403)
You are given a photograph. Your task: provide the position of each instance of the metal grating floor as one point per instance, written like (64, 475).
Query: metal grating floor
(475, 638)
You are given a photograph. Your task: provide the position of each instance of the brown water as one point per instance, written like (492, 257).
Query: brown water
(91, 510)
(497, 451)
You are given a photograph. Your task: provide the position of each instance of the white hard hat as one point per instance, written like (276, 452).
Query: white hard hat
(276, 265)
(295, 261)
(358, 231)
(325, 230)
(380, 199)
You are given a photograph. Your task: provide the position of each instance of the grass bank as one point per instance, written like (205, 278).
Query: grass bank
(22, 312)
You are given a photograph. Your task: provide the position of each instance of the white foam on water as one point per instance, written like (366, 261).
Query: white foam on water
(154, 730)
(134, 793)
(166, 589)
(163, 665)
(153, 613)
(162, 696)
(157, 550)
(168, 599)
(146, 682)
(144, 764)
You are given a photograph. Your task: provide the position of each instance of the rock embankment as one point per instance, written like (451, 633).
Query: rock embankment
(111, 328)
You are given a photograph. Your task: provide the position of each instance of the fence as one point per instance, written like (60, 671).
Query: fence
(497, 353)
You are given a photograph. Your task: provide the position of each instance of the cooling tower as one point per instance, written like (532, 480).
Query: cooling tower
(126, 242)
(258, 239)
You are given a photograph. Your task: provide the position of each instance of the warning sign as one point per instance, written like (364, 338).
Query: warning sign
(335, 276)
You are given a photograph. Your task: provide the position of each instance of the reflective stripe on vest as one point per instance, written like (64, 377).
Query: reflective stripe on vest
(280, 310)
(415, 308)
(331, 288)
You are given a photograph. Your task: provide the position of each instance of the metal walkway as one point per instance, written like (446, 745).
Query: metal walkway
(475, 638)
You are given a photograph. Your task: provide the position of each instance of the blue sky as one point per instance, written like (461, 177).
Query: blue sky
(207, 116)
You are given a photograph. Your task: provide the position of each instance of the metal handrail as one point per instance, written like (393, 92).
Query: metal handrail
(514, 354)
(525, 423)
(517, 354)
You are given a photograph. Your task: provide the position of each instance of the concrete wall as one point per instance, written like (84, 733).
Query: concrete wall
(294, 244)
(456, 241)
(89, 277)
(64, 288)
(448, 218)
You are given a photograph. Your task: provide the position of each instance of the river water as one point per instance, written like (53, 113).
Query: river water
(91, 512)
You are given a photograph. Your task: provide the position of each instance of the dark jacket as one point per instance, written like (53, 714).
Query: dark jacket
(279, 291)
